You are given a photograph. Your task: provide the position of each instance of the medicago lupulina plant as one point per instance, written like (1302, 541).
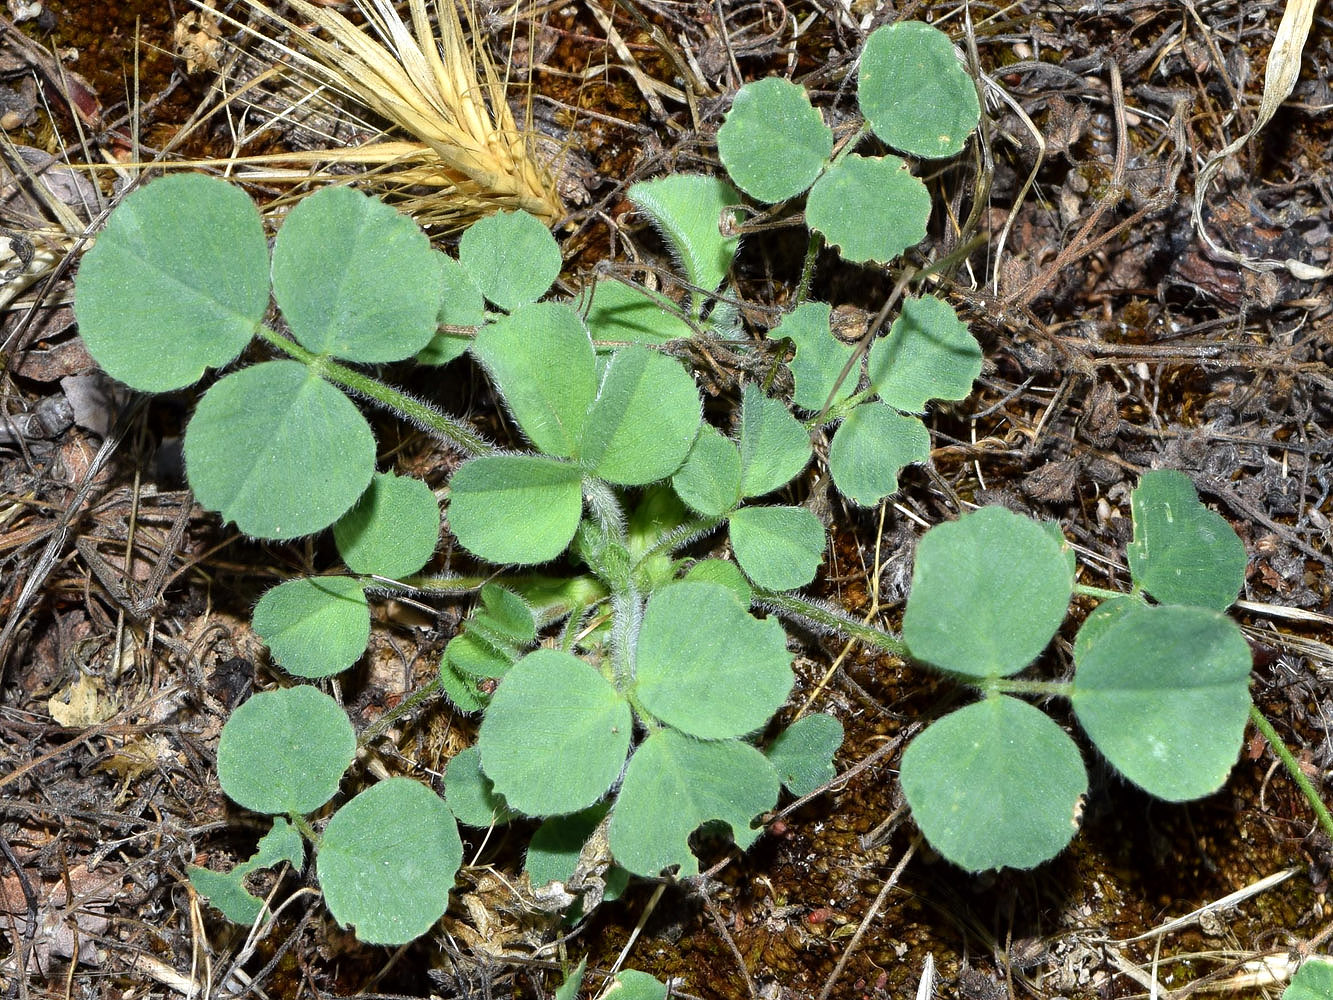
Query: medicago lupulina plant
(623, 676)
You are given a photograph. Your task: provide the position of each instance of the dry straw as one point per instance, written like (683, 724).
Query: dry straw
(425, 78)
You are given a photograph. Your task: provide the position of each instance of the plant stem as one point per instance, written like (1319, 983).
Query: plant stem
(808, 268)
(1099, 592)
(833, 621)
(409, 704)
(1013, 685)
(1293, 767)
(425, 416)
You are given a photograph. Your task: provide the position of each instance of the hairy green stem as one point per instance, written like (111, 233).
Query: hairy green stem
(1101, 593)
(1015, 685)
(1293, 767)
(830, 620)
(425, 416)
(405, 707)
(808, 268)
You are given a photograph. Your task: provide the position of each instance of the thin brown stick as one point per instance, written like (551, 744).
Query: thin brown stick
(871, 913)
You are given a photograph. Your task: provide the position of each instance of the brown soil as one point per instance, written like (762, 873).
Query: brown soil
(1114, 341)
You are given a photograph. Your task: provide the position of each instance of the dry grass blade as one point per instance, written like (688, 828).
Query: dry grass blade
(428, 81)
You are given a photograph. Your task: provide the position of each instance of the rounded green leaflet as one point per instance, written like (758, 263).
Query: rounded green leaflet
(462, 305)
(1182, 552)
(542, 361)
(387, 861)
(870, 447)
(929, 353)
(515, 508)
(620, 313)
(773, 141)
(673, 785)
(687, 210)
(511, 257)
(1006, 576)
(820, 356)
(775, 446)
(285, 750)
(176, 283)
(354, 278)
(392, 530)
(634, 985)
(914, 92)
(995, 785)
(314, 626)
(803, 753)
(644, 420)
(780, 548)
(553, 851)
(1313, 980)
(278, 450)
(506, 614)
(724, 573)
(710, 480)
(472, 656)
(1164, 693)
(555, 736)
(870, 208)
(708, 667)
(470, 795)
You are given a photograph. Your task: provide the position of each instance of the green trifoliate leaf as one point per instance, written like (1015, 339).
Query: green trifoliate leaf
(687, 210)
(462, 305)
(176, 283)
(515, 508)
(541, 359)
(675, 784)
(803, 753)
(227, 891)
(511, 257)
(1164, 693)
(470, 795)
(914, 92)
(871, 447)
(278, 450)
(1182, 552)
(555, 736)
(774, 444)
(285, 750)
(315, 626)
(710, 479)
(706, 666)
(354, 278)
(726, 574)
(995, 785)
(870, 208)
(929, 353)
(773, 142)
(1313, 980)
(984, 569)
(393, 529)
(387, 861)
(820, 356)
(780, 548)
(644, 421)
(626, 314)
